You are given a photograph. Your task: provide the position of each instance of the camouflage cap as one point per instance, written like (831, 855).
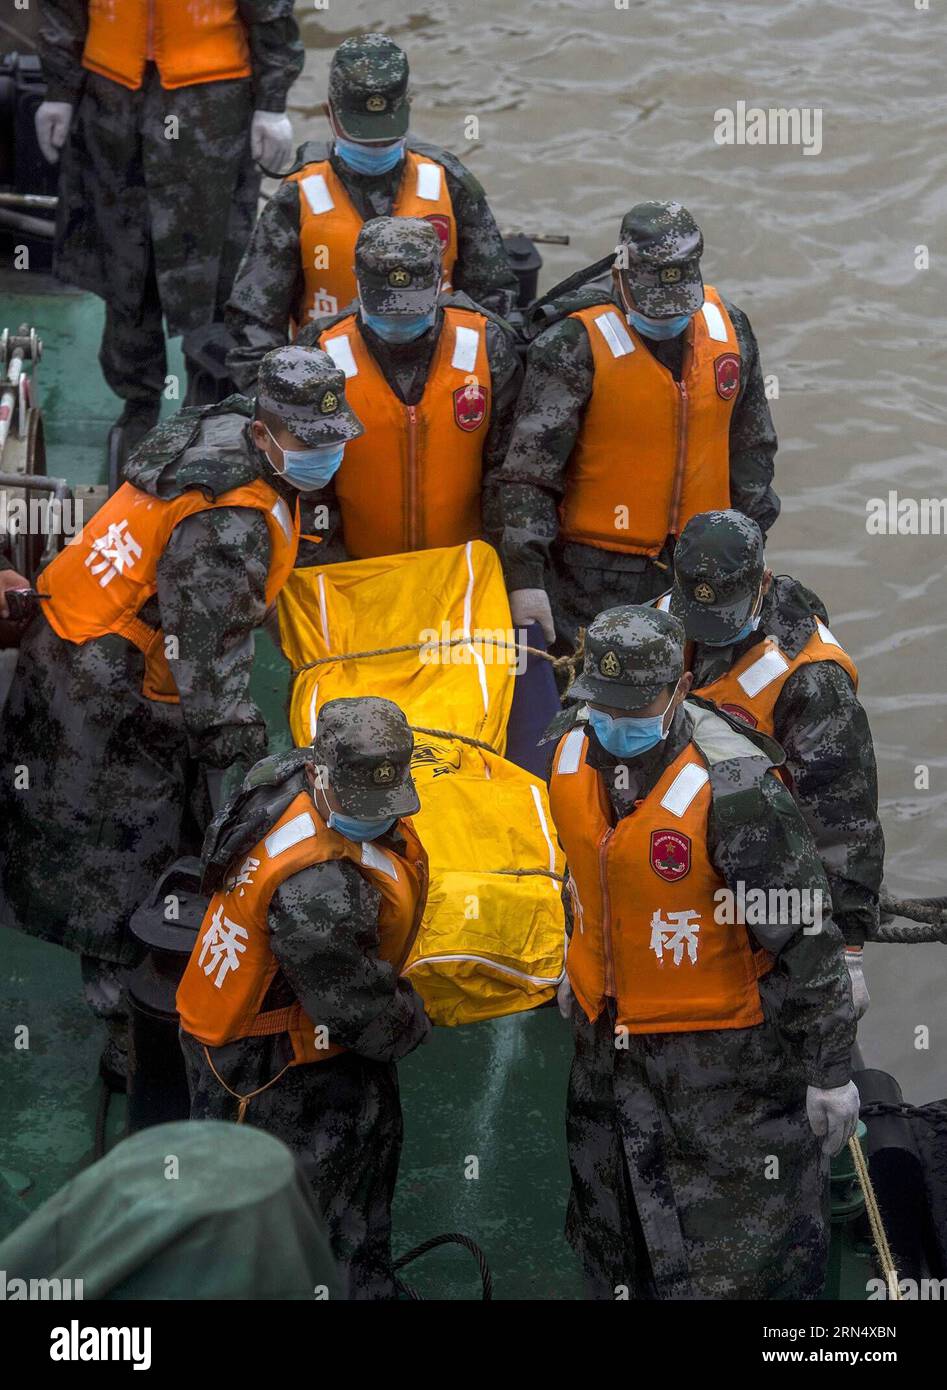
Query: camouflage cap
(398, 265)
(306, 390)
(368, 88)
(718, 569)
(663, 249)
(365, 745)
(631, 654)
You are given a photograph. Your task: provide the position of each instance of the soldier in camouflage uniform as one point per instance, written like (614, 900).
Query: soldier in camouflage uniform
(101, 784)
(159, 187)
(734, 611)
(326, 956)
(407, 329)
(661, 312)
(692, 1126)
(368, 157)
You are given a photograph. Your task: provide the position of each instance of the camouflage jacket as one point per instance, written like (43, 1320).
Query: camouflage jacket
(276, 50)
(557, 388)
(212, 574)
(269, 282)
(406, 366)
(824, 732)
(323, 926)
(757, 840)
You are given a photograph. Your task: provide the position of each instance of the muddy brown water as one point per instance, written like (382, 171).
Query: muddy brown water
(585, 109)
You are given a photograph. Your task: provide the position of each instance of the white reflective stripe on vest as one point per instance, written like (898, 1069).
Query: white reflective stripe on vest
(615, 334)
(826, 636)
(713, 318)
(466, 343)
(429, 182)
(763, 672)
(684, 788)
(375, 858)
(317, 193)
(571, 752)
(280, 510)
(340, 350)
(301, 827)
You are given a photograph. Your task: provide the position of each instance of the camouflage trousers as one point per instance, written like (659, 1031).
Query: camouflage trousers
(341, 1117)
(695, 1173)
(584, 582)
(157, 177)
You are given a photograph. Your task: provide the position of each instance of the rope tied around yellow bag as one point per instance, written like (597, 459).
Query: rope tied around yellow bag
(558, 663)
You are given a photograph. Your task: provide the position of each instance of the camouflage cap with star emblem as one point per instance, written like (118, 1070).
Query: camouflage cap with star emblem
(663, 246)
(368, 89)
(632, 654)
(365, 745)
(398, 265)
(306, 390)
(718, 570)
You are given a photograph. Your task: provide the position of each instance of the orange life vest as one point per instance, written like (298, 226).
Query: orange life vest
(652, 452)
(412, 480)
(329, 226)
(232, 964)
(751, 688)
(100, 581)
(643, 890)
(191, 43)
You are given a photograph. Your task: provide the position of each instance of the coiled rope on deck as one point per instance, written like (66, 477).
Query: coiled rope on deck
(453, 1238)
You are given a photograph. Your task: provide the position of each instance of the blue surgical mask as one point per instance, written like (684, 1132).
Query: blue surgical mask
(369, 159)
(749, 626)
(628, 737)
(354, 829)
(659, 329)
(309, 469)
(399, 328)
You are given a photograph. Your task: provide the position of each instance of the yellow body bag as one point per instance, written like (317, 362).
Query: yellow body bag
(491, 941)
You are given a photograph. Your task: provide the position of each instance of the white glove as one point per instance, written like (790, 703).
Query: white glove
(53, 119)
(854, 959)
(532, 606)
(833, 1115)
(271, 139)
(564, 998)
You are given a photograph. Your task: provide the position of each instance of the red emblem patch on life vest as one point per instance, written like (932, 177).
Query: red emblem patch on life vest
(742, 714)
(470, 406)
(670, 854)
(441, 225)
(727, 372)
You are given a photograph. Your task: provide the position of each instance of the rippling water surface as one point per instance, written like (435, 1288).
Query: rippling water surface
(584, 110)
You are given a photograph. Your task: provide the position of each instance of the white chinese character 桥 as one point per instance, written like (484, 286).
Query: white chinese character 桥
(674, 934)
(113, 553)
(220, 940)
